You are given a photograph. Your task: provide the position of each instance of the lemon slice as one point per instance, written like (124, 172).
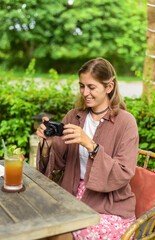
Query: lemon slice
(13, 147)
(17, 151)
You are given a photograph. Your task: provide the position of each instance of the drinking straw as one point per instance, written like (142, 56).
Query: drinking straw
(4, 145)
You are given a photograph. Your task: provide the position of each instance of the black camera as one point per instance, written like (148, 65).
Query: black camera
(53, 128)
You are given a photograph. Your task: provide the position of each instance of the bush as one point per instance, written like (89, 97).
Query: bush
(21, 100)
(144, 112)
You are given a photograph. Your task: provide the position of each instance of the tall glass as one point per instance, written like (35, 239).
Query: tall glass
(13, 174)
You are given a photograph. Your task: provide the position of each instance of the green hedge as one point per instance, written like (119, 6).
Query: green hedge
(20, 100)
(144, 112)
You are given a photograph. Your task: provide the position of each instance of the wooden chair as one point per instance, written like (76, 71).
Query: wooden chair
(148, 230)
(148, 155)
(144, 226)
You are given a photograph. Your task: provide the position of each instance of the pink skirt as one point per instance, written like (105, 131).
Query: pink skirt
(111, 227)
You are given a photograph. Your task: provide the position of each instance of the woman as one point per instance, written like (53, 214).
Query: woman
(98, 151)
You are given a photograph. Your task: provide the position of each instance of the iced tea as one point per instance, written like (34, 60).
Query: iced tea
(13, 178)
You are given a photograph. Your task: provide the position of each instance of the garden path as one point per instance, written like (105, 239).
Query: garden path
(130, 89)
(127, 89)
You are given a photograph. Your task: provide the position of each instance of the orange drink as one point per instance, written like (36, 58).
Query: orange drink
(13, 177)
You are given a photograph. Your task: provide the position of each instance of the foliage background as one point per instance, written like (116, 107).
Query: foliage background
(19, 102)
(63, 34)
(22, 99)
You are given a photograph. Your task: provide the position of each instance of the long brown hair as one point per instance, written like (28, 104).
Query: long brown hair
(104, 72)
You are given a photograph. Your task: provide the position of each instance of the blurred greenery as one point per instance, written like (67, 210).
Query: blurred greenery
(63, 34)
(21, 99)
(11, 74)
(145, 116)
(144, 113)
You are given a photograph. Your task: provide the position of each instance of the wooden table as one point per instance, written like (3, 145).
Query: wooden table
(43, 209)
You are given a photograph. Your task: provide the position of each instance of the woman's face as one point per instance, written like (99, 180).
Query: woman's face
(93, 92)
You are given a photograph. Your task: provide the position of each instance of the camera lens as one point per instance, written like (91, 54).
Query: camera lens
(53, 128)
(50, 131)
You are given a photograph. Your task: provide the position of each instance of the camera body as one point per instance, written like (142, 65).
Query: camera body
(53, 128)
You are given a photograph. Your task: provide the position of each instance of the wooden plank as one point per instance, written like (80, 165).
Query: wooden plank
(60, 194)
(16, 207)
(39, 199)
(57, 210)
(54, 190)
(28, 230)
(4, 217)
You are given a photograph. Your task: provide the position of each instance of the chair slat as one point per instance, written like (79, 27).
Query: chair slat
(148, 155)
(152, 226)
(146, 228)
(144, 152)
(148, 237)
(137, 233)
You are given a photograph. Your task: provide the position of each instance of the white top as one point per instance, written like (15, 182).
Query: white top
(89, 128)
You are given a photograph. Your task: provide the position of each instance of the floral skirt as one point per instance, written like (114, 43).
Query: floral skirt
(111, 227)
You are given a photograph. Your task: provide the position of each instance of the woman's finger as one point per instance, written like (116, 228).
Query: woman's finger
(69, 131)
(40, 133)
(45, 119)
(70, 126)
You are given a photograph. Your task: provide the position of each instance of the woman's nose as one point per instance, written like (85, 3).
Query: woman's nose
(86, 91)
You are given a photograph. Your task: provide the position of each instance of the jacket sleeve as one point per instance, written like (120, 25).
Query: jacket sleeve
(112, 173)
(58, 152)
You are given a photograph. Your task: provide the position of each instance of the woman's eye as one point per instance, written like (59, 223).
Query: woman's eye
(90, 87)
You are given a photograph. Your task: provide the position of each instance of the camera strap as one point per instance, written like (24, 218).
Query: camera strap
(41, 148)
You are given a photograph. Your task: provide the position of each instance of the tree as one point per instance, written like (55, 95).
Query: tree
(149, 65)
(72, 31)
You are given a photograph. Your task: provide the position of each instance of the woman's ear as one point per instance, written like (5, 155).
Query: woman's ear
(110, 87)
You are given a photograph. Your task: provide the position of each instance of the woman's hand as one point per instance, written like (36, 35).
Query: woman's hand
(75, 134)
(40, 133)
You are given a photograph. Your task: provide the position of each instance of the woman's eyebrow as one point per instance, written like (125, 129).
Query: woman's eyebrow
(88, 84)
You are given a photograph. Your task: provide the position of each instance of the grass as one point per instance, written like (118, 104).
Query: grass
(129, 78)
(21, 74)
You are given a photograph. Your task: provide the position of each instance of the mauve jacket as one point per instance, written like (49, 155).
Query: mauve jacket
(107, 177)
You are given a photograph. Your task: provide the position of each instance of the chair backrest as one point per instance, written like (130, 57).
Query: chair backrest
(143, 185)
(148, 155)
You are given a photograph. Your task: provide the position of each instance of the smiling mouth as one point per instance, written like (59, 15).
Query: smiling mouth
(88, 99)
